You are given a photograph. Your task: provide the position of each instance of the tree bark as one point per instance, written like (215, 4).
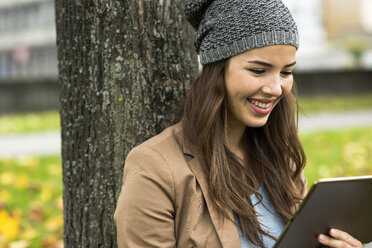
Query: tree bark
(124, 66)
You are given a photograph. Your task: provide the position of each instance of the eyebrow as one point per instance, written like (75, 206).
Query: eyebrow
(259, 62)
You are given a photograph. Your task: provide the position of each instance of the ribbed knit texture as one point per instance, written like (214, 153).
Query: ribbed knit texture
(228, 27)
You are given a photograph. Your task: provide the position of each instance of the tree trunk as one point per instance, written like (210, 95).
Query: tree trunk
(124, 66)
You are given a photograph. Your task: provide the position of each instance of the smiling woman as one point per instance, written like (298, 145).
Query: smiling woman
(230, 173)
(245, 149)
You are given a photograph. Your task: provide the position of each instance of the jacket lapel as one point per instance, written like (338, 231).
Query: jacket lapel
(226, 229)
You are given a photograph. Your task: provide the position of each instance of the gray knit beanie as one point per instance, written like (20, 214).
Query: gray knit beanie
(228, 27)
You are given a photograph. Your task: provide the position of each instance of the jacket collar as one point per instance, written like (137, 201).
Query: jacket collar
(226, 229)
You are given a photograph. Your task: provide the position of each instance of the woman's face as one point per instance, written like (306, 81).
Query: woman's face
(256, 80)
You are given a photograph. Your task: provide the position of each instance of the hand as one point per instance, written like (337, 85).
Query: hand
(339, 239)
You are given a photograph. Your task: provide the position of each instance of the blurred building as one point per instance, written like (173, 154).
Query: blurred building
(348, 23)
(27, 39)
(347, 17)
(334, 34)
(28, 56)
(334, 55)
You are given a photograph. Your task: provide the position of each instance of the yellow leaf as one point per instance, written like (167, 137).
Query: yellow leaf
(9, 225)
(22, 181)
(46, 193)
(4, 196)
(54, 223)
(59, 202)
(6, 178)
(29, 233)
(3, 240)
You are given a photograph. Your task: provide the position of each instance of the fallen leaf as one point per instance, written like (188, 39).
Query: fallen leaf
(60, 202)
(9, 224)
(54, 223)
(22, 181)
(52, 242)
(28, 233)
(3, 240)
(46, 193)
(36, 214)
(18, 244)
(34, 187)
(4, 196)
(7, 178)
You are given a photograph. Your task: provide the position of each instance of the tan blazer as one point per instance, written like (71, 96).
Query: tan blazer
(164, 200)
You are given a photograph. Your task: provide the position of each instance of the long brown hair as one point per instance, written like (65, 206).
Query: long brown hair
(274, 151)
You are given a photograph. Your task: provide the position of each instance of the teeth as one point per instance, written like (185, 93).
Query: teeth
(260, 104)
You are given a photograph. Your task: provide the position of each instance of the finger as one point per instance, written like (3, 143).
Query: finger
(338, 234)
(335, 243)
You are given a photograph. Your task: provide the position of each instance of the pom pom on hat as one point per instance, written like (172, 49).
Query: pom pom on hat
(194, 11)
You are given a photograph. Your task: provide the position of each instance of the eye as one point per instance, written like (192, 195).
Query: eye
(257, 71)
(287, 73)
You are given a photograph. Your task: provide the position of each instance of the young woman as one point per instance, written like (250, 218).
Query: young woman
(230, 173)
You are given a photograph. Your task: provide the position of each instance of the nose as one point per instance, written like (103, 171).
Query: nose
(274, 86)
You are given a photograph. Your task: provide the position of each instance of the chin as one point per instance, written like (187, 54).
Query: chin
(256, 126)
(257, 123)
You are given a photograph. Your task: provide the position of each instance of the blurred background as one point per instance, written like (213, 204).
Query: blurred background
(333, 74)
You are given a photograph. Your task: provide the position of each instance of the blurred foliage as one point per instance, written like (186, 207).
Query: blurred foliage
(310, 104)
(31, 122)
(338, 153)
(31, 209)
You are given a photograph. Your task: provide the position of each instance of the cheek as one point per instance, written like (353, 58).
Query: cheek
(233, 102)
(287, 86)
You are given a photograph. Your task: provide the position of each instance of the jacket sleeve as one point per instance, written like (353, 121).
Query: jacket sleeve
(144, 214)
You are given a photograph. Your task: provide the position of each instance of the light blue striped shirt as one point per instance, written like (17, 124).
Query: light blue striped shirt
(270, 220)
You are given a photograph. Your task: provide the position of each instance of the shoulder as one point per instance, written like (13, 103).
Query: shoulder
(169, 138)
(167, 145)
(161, 154)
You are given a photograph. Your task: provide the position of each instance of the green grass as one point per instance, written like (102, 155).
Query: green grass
(31, 122)
(31, 202)
(338, 153)
(335, 103)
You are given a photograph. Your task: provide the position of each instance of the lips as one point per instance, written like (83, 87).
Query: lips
(261, 103)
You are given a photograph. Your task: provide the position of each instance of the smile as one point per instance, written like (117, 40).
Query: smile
(260, 104)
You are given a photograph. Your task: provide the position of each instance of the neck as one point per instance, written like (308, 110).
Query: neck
(236, 145)
(235, 138)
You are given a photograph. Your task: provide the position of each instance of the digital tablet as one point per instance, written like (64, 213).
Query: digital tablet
(342, 203)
